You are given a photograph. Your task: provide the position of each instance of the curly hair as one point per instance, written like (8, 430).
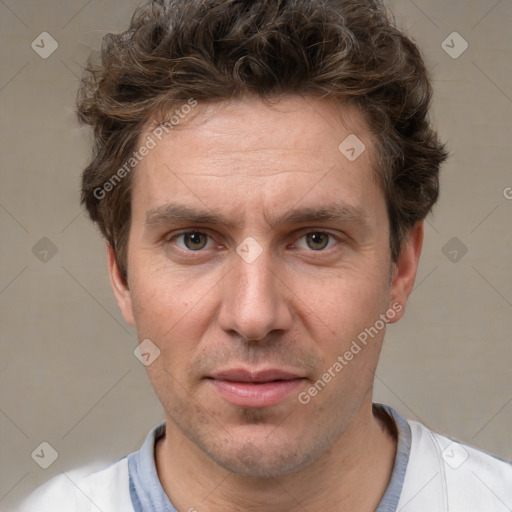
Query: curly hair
(348, 50)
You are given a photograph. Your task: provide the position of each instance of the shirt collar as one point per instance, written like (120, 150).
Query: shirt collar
(391, 497)
(147, 493)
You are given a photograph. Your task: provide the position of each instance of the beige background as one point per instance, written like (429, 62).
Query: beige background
(68, 375)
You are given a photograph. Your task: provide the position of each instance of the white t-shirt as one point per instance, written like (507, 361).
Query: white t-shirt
(431, 473)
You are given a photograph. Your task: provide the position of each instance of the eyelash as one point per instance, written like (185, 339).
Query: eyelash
(303, 234)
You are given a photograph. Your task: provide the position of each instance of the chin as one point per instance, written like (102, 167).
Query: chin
(252, 462)
(257, 457)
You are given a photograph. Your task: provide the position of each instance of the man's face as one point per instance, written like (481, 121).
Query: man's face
(250, 313)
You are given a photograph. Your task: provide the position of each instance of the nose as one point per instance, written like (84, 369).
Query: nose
(255, 299)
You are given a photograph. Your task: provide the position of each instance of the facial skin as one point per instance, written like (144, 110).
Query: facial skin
(296, 307)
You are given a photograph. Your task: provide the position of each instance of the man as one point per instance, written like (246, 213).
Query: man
(261, 173)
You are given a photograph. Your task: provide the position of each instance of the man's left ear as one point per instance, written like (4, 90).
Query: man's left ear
(404, 270)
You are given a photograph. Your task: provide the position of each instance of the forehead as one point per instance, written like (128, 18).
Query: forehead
(234, 154)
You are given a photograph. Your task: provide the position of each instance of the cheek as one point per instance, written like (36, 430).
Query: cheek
(349, 307)
(173, 308)
(163, 293)
(348, 300)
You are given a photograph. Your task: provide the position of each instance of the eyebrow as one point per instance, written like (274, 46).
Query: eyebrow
(174, 213)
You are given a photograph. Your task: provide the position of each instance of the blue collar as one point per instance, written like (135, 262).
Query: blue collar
(147, 493)
(389, 501)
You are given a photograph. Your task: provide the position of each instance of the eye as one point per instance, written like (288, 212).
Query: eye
(318, 240)
(192, 240)
(196, 241)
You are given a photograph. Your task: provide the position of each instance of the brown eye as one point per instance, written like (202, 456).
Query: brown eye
(195, 241)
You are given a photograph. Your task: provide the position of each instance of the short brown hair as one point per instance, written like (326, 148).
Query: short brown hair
(347, 50)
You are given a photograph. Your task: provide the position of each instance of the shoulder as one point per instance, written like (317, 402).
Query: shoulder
(446, 474)
(106, 490)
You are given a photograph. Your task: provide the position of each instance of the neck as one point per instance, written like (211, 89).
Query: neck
(352, 474)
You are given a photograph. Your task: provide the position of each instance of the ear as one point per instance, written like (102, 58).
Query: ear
(120, 287)
(404, 270)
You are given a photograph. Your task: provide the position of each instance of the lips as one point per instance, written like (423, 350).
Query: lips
(255, 389)
(241, 375)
